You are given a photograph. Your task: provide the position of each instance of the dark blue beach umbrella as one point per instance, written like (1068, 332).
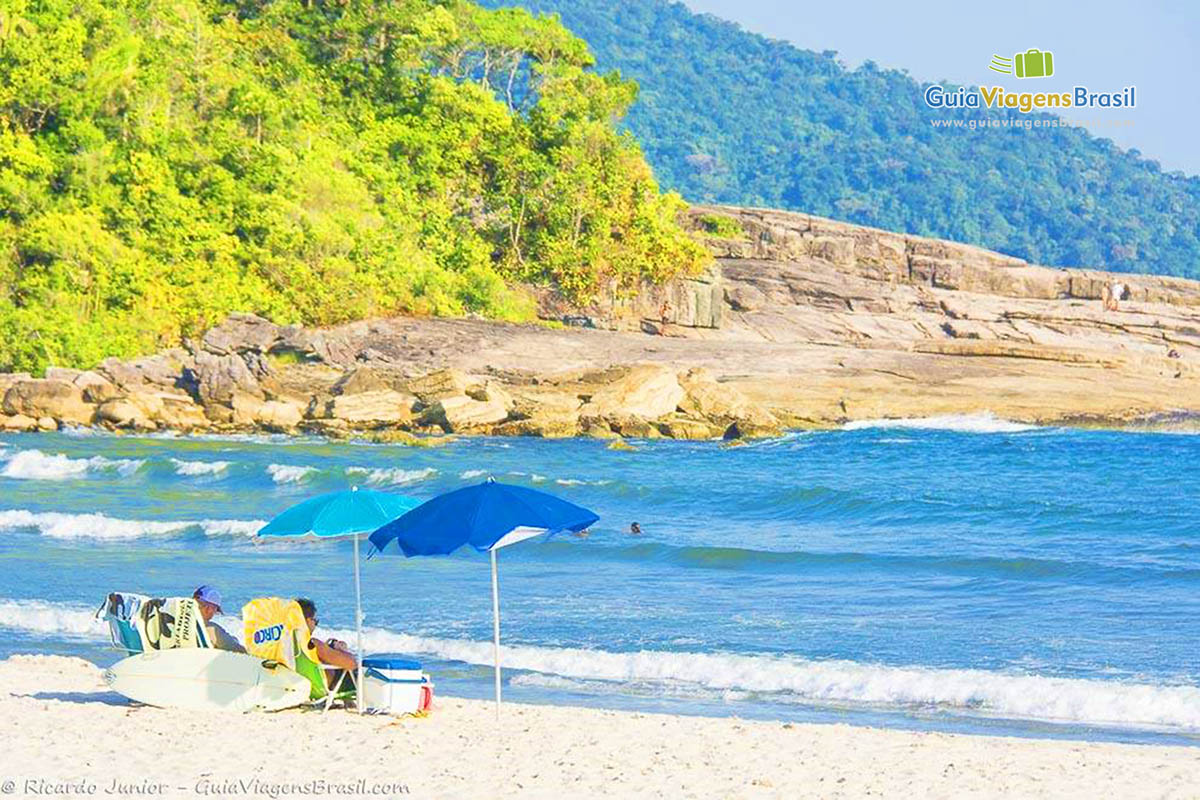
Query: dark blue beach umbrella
(485, 516)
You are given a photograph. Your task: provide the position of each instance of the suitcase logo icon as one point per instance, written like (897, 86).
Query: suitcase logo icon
(1033, 63)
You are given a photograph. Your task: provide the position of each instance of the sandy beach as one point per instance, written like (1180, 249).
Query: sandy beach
(65, 734)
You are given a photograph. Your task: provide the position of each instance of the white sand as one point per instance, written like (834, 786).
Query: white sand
(60, 725)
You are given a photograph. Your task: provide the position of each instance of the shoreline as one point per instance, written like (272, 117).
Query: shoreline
(974, 422)
(907, 698)
(52, 706)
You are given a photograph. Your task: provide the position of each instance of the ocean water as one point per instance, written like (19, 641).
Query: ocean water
(962, 573)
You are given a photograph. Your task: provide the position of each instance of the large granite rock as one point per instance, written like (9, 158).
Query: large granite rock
(442, 383)
(251, 411)
(646, 391)
(459, 413)
(281, 416)
(121, 412)
(95, 387)
(150, 408)
(359, 381)
(722, 405)
(216, 379)
(7, 379)
(17, 423)
(682, 426)
(374, 408)
(241, 333)
(41, 398)
(165, 369)
(548, 411)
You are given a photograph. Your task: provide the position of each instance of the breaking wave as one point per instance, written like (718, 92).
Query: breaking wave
(799, 680)
(98, 526)
(787, 678)
(194, 468)
(36, 465)
(959, 423)
(391, 477)
(286, 473)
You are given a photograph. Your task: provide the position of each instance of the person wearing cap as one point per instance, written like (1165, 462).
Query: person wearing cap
(209, 600)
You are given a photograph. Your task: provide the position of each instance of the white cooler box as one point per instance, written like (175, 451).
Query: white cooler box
(394, 684)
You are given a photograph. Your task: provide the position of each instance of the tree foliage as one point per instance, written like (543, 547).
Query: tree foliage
(165, 162)
(732, 117)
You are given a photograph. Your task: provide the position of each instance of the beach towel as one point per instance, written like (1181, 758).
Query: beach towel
(169, 623)
(120, 610)
(275, 630)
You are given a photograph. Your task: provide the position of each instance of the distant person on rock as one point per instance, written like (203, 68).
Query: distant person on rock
(1112, 294)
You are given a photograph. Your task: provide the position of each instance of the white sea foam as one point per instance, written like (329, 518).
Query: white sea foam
(193, 468)
(58, 525)
(533, 476)
(392, 477)
(37, 616)
(241, 438)
(580, 482)
(1014, 696)
(61, 619)
(36, 465)
(841, 682)
(286, 473)
(473, 473)
(82, 431)
(961, 423)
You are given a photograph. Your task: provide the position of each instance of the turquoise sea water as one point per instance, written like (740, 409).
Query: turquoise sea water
(964, 574)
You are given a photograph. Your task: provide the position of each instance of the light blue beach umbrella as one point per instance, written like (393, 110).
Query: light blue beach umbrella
(485, 516)
(339, 514)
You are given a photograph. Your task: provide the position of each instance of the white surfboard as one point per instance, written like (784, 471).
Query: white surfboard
(207, 679)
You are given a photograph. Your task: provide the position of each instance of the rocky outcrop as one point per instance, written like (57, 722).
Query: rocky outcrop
(689, 302)
(802, 322)
(870, 254)
(228, 382)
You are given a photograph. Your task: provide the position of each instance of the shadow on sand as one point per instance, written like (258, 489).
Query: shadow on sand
(105, 698)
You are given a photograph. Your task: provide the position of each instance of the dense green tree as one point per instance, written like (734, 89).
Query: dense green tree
(163, 163)
(732, 117)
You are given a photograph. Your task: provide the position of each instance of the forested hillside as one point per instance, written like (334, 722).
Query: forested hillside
(728, 116)
(164, 162)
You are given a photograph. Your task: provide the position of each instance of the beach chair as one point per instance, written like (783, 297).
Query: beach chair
(120, 611)
(275, 630)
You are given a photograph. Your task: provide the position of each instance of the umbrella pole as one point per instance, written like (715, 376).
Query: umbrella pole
(496, 628)
(359, 699)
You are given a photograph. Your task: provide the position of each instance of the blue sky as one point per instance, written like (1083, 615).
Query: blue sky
(1154, 45)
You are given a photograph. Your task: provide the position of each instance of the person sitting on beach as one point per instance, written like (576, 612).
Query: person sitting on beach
(333, 652)
(209, 600)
